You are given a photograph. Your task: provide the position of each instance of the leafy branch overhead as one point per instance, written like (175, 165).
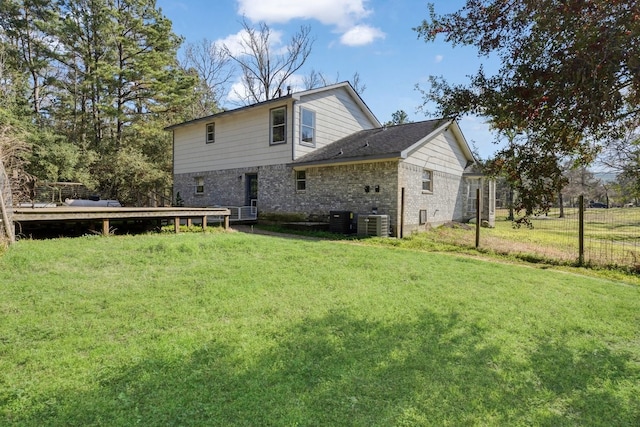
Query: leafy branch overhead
(569, 77)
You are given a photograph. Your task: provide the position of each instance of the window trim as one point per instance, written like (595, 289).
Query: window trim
(430, 181)
(211, 133)
(423, 217)
(283, 125)
(311, 143)
(301, 180)
(198, 187)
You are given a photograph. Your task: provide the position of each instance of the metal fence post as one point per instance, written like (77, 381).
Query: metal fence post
(478, 216)
(581, 230)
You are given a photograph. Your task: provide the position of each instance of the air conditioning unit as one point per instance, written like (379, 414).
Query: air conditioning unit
(373, 225)
(340, 222)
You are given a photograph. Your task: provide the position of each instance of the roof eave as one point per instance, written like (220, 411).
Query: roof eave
(407, 151)
(457, 132)
(228, 112)
(357, 98)
(347, 160)
(464, 144)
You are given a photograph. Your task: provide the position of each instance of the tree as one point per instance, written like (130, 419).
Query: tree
(317, 79)
(357, 83)
(120, 79)
(16, 126)
(94, 82)
(398, 118)
(569, 80)
(28, 46)
(211, 64)
(580, 181)
(265, 69)
(623, 158)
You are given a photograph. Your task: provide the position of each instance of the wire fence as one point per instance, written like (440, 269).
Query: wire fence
(588, 236)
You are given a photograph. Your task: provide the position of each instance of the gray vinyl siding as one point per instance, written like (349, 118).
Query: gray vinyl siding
(337, 116)
(442, 153)
(241, 140)
(445, 158)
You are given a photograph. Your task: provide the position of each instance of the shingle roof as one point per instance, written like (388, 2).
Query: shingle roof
(379, 143)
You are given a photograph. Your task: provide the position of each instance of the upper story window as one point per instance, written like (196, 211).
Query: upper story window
(211, 133)
(307, 127)
(427, 180)
(278, 125)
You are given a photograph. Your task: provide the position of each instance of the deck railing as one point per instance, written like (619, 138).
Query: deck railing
(243, 213)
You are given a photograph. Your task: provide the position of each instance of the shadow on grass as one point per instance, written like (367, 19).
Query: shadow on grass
(342, 370)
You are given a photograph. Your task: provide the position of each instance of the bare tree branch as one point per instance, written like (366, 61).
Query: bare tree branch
(265, 68)
(213, 67)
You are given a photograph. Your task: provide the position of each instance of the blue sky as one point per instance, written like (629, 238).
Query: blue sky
(371, 37)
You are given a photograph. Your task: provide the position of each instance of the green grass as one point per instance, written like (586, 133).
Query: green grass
(612, 239)
(236, 329)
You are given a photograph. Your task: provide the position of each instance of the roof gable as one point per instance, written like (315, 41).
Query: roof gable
(292, 96)
(346, 86)
(383, 143)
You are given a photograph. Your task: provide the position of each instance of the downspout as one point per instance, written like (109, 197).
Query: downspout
(293, 132)
(173, 166)
(401, 233)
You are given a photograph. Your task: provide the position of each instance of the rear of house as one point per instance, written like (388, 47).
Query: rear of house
(240, 157)
(410, 172)
(309, 153)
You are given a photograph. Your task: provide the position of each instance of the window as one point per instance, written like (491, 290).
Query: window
(278, 125)
(427, 182)
(199, 185)
(423, 216)
(301, 180)
(211, 133)
(308, 127)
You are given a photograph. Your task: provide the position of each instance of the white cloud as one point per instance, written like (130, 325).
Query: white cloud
(438, 59)
(341, 13)
(234, 42)
(345, 15)
(238, 93)
(361, 35)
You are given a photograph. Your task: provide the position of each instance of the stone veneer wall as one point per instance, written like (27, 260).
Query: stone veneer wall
(221, 188)
(339, 187)
(342, 187)
(444, 204)
(328, 188)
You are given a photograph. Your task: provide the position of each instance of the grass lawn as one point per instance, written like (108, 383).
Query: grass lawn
(236, 329)
(612, 238)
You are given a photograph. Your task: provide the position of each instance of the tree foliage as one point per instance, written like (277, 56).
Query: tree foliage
(569, 80)
(623, 158)
(398, 118)
(102, 81)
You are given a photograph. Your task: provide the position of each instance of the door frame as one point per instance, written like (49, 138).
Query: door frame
(249, 197)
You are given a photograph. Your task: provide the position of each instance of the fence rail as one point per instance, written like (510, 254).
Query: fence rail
(239, 213)
(243, 213)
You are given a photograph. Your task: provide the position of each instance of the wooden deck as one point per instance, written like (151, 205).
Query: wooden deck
(106, 214)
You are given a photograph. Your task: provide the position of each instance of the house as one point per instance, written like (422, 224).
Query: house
(309, 153)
